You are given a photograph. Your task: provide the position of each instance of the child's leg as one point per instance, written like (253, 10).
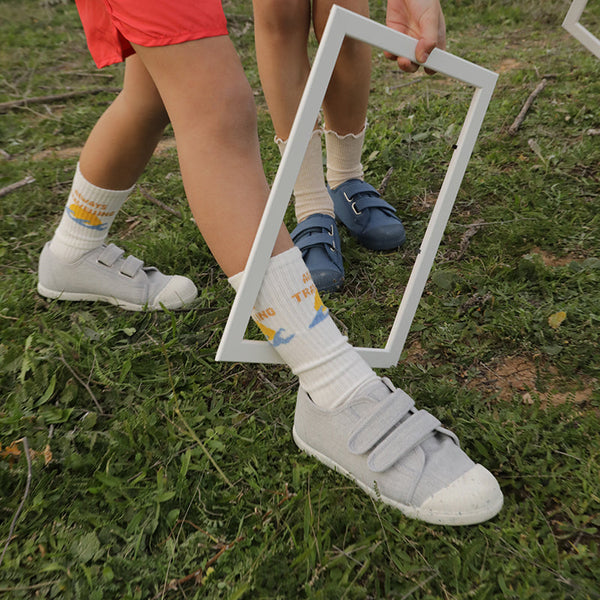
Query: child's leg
(111, 161)
(211, 108)
(363, 426)
(347, 97)
(124, 138)
(357, 204)
(113, 157)
(281, 34)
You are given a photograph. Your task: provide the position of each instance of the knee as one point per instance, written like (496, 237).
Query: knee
(280, 19)
(147, 107)
(353, 51)
(235, 110)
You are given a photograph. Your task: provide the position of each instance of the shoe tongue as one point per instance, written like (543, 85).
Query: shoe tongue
(377, 390)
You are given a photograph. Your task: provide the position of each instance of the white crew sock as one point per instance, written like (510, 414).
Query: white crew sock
(343, 156)
(310, 192)
(290, 313)
(88, 215)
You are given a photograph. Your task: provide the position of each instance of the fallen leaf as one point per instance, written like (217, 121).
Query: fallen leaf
(556, 319)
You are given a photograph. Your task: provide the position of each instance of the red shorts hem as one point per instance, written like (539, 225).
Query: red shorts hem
(107, 59)
(111, 26)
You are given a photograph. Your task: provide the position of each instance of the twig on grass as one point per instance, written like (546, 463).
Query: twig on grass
(190, 431)
(198, 574)
(466, 239)
(22, 504)
(159, 203)
(419, 586)
(24, 588)
(15, 186)
(385, 181)
(521, 116)
(6, 106)
(406, 83)
(83, 383)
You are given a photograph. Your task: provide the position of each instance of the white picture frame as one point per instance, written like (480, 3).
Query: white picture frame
(341, 23)
(577, 30)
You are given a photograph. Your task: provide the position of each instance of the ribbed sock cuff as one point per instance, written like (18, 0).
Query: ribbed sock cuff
(310, 191)
(343, 156)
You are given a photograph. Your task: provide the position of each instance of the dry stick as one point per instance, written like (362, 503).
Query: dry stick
(6, 106)
(406, 83)
(24, 588)
(198, 573)
(521, 116)
(83, 383)
(191, 432)
(466, 238)
(159, 203)
(22, 504)
(385, 181)
(15, 186)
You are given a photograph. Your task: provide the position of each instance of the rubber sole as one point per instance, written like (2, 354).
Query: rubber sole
(414, 512)
(80, 296)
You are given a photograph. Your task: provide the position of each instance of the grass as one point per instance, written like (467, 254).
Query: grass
(156, 472)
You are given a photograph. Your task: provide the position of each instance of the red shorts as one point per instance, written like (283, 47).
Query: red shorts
(111, 26)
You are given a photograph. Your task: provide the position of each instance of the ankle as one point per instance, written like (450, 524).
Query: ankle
(343, 156)
(88, 215)
(310, 191)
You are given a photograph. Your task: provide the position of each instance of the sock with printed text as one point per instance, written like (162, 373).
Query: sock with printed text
(89, 214)
(289, 312)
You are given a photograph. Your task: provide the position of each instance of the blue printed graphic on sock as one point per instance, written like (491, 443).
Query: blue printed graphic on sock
(320, 316)
(278, 339)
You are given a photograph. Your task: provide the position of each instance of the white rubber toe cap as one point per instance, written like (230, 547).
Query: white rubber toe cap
(179, 292)
(472, 498)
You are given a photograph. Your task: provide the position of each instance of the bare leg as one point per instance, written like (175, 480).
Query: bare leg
(281, 35)
(212, 111)
(75, 264)
(124, 138)
(347, 97)
(281, 49)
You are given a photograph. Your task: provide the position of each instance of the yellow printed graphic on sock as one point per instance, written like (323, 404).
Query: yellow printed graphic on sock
(84, 217)
(319, 306)
(89, 213)
(321, 311)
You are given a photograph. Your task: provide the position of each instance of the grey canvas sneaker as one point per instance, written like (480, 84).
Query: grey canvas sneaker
(105, 274)
(399, 455)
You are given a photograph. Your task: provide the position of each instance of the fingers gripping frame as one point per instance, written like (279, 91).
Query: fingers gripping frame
(577, 30)
(342, 23)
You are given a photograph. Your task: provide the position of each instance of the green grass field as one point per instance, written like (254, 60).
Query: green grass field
(155, 472)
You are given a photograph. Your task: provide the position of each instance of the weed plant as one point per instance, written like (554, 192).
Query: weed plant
(156, 472)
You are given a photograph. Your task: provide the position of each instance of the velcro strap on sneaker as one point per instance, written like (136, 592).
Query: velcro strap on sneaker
(405, 438)
(316, 239)
(131, 266)
(365, 202)
(354, 187)
(110, 255)
(386, 416)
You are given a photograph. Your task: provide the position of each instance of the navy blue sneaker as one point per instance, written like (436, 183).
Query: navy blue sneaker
(318, 239)
(369, 218)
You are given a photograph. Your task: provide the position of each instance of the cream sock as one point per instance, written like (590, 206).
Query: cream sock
(292, 317)
(88, 215)
(343, 156)
(310, 191)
